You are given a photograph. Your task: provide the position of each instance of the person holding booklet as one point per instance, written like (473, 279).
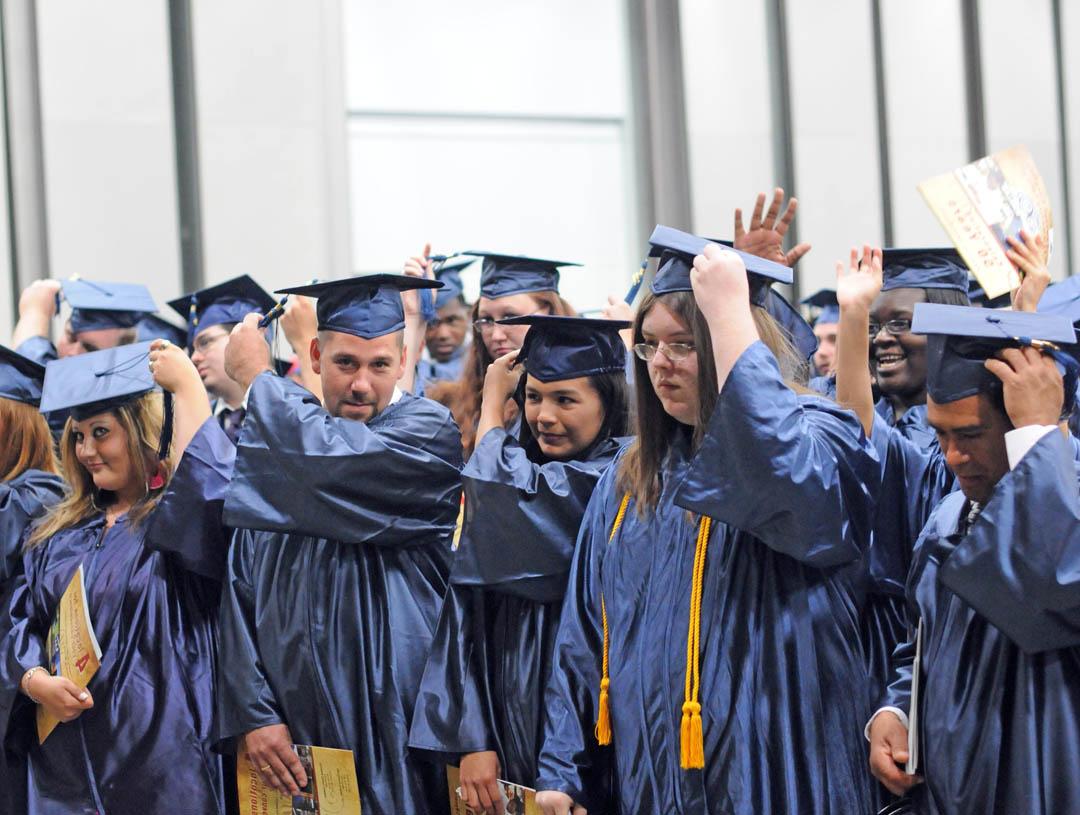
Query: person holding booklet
(345, 512)
(137, 738)
(708, 634)
(481, 698)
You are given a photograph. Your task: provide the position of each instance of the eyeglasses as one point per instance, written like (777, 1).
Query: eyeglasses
(674, 351)
(204, 342)
(451, 322)
(485, 325)
(894, 327)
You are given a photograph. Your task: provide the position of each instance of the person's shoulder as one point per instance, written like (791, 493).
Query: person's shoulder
(419, 407)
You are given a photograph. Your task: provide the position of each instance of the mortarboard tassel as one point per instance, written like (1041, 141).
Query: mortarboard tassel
(192, 323)
(692, 743)
(166, 426)
(635, 282)
(603, 714)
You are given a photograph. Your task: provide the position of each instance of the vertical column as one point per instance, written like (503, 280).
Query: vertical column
(28, 224)
(186, 139)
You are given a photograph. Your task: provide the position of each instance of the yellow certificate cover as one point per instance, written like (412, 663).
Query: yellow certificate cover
(72, 647)
(331, 787)
(517, 800)
(982, 203)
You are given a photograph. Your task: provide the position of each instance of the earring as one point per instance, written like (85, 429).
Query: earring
(156, 481)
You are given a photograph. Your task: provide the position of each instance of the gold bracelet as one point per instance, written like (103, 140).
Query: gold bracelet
(24, 684)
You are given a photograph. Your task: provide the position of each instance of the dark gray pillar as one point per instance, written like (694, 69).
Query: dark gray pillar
(186, 139)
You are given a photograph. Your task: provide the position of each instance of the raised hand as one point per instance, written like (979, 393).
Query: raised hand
(857, 287)
(1028, 255)
(1033, 388)
(173, 369)
(247, 355)
(501, 379)
(417, 266)
(766, 236)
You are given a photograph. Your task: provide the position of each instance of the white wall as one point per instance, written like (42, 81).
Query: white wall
(1070, 25)
(1021, 97)
(728, 112)
(836, 142)
(7, 306)
(271, 108)
(492, 125)
(926, 109)
(109, 156)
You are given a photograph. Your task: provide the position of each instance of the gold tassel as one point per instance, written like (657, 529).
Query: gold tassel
(603, 713)
(691, 737)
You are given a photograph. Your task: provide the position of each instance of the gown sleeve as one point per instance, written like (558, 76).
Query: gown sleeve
(799, 476)
(245, 699)
(186, 524)
(1019, 564)
(39, 349)
(393, 482)
(21, 501)
(522, 518)
(462, 721)
(571, 760)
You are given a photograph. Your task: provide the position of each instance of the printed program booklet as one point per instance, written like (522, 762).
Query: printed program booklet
(517, 800)
(331, 788)
(72, 648)
(982, 203)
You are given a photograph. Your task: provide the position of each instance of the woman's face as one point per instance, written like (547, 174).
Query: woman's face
(502, 339)
(101, 447)
(674, 382)
(564, 417)
(898, 361)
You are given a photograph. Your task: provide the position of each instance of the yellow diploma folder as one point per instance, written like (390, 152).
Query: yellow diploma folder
(72, 648)
(983, 203)
(517, 800)
(331, 788)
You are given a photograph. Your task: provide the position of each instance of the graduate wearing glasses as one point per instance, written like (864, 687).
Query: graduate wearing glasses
(482, 694)
(709, 642)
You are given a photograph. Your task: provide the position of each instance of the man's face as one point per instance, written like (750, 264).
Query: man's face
(84, 342)
(208, 355)
(446, 334)
(358, 376)
(971, 433)
(898, 361)
(825, 355)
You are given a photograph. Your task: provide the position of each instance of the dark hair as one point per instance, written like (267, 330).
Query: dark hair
(947, 297)
(464, 395)
(639, 473)
(614, 396)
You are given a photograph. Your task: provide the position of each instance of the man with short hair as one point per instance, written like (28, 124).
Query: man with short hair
(994, 589)
(345, 515)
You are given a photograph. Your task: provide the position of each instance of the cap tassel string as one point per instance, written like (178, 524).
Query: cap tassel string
(692, 742)
(603, 714)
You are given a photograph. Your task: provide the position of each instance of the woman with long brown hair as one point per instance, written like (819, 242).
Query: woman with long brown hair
(711, 629)
(510, 286)
(148, 546)
(29, 474)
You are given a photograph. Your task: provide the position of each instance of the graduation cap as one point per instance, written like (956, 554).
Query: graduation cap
(228, 302)
(825, 300)
(1063, 299)
(92, 383)
(923, 269)
(20, 378)
(367, 306)
(96, 305)
(557, 348)
(961, 338)
(677, 250)
(449, 274)
(504, 275)
(151, 327)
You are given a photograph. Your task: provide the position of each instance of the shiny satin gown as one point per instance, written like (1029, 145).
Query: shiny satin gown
(153, 593)
(336, 574)
(484, 681)
(1000, 607)
(430, 371)
(789, 482)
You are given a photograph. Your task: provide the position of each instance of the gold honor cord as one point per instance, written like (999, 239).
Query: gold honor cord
(691, 742)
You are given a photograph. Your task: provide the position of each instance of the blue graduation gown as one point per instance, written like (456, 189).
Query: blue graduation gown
(335, 577)
(39, 349)
(22, 499)
(430, 371)
(1000, 605)
(484, 681)
(145, 745)
(913, 425)
(789, 483)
